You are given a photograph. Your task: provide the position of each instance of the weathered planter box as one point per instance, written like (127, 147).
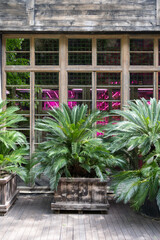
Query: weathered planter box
(82, 194)
(8, 192)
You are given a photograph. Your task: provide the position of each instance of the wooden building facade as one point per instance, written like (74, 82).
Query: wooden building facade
(102, 53)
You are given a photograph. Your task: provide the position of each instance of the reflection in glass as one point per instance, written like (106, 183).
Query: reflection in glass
(141, 79)
(79, 51)
(18, 78)
(108, 44)
(79, 44)
(46, 99)
(141, 51)
(108, 79)
(141, 44)
(108, 94)
(18, 93)
(46, 44)
(108, 59)
(47, 78)
(23, 105)
(79, 78)
(81, 95)
(137, 93)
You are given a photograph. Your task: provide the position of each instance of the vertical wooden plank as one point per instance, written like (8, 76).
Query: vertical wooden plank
(0, 66)
(156, 63)
(3, 68)
(155, 85)
(32, 107)
(125, 61)
(158, 12)
(94, 90)
(31, 11)
(63, 91)
(94, 74)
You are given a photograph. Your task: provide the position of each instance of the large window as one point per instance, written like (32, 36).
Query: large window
(102, 71)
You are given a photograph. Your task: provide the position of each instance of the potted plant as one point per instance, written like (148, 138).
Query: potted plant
(74, 160)
(139, 132)
(12, 148)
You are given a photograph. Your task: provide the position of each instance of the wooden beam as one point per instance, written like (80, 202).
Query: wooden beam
(125, 61)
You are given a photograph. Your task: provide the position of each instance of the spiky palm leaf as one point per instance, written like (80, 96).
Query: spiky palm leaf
(69, 148)
(140, 129)
(13, 144)
(136, 186)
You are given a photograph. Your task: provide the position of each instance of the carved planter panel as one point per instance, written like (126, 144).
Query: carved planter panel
(8, 192)
(81, 194)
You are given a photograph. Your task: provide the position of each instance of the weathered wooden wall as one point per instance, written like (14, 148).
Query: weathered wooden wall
(80, 15)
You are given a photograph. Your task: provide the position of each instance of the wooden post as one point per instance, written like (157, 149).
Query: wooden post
(156, 63)
(94, 74)
(125, 62)
(32, 93)
(0, 66)
(63, 83)
(3, 83)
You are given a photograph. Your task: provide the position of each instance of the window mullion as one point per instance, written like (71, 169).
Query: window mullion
(32, 94)
(125, 61)
(63, 73)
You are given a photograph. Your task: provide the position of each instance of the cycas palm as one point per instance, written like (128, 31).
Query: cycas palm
(70, 148)
(140, 128)
(137, 186)
(13, 144)
(139, 132)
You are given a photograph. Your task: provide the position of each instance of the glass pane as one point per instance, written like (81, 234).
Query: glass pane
(24, 124)
(16, 78)
(138, 92)
(141, 45)
(108, 79)
(24, 106)
(17, 51)
(79, 58)
(108, 59)
(43, 106)
(82, 91)
(141, 58)
(17, 44)
(108, 44)
(142, 52)
(80, 94)
(80, 51)
(47, 58)
(17, 58)
(108, 106)
(46, 44)
(79, 44)
(46, 78)
(141, 79)
(18, 93)
(26, 133)
(108, 94)
(49, 99)
(79, 78)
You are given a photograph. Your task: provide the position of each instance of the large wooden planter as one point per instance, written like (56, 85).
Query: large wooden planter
(83, 194)
(8, 192)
